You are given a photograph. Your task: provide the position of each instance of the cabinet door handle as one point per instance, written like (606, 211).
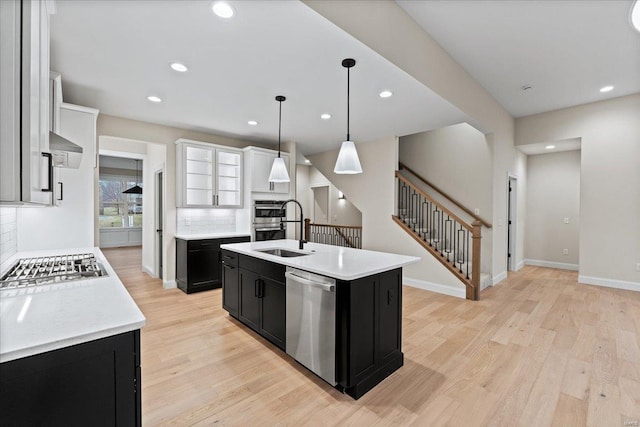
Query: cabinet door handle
(230, 267)
(49, 188)
(389, 297)
(61, 191)
(261, 289)
(256, 288)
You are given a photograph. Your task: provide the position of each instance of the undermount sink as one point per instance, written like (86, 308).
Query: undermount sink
(285, 253)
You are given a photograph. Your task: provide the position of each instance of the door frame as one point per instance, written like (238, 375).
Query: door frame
(159, 180)
(313, 187)
(512, 222)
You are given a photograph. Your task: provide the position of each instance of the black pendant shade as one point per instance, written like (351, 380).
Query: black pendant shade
(136, 189)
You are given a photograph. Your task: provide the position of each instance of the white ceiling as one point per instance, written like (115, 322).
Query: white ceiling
(569, 144)
(566, 50)
(113, 54)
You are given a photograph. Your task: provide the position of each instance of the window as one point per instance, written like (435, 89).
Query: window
(118, 210)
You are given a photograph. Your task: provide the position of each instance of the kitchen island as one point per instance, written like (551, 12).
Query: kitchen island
(366, 320)
(70, 350)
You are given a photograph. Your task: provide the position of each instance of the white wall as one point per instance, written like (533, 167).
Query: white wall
(553, 194)
(609, 182)
(457, 159)
(8, 233)
(69, 225)
(373, 193)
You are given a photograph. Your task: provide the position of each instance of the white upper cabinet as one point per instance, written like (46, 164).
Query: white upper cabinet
(26, 166)
(208, 175)
(260, 162)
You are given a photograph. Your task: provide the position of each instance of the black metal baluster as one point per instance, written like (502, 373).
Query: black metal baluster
(467, 252)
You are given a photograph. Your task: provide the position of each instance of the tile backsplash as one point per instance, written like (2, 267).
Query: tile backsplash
(196, 221)
(8, 233)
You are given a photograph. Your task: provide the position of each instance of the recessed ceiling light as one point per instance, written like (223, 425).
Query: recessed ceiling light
(307, 161)
(154, 98)
(325, 116)
(179, 67)
(385, 94)
(635, 15)
(252, 122)
(222, 9)
(606, 89)
(550, 147)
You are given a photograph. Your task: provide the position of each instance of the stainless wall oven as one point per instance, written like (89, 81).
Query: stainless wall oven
(266, 220)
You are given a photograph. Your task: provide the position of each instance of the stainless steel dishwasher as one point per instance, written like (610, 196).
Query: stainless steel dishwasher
(311, 322)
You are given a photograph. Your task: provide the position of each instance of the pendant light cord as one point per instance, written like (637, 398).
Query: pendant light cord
(348, 80)
(279, 126)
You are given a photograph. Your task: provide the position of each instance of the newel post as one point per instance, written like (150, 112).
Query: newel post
(476, 236)
(307, 229)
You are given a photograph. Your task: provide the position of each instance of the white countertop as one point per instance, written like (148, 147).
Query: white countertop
(201, 236)
(333, 261)
(42, 318)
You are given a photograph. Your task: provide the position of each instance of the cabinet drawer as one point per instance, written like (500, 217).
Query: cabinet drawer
(230, 258)
(203, 244)
(264, 268)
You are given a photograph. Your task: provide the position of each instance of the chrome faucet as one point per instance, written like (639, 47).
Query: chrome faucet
(301, 221)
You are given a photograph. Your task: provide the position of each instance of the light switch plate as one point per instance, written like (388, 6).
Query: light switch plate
(638, 266)
(476, 211)
(566, 220)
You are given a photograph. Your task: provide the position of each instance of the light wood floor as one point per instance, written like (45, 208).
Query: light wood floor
(536, 350)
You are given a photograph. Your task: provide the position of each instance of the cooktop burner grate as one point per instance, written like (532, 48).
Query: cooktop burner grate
(52, 269)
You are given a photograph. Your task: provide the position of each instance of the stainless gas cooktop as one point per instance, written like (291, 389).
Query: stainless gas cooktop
(52, 269)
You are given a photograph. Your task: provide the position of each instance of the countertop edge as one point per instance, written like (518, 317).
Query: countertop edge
(285, 261)
(68, 342)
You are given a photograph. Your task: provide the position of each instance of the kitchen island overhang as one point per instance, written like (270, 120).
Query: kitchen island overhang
(368, 302)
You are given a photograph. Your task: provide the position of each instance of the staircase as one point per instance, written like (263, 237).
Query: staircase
(451, 240)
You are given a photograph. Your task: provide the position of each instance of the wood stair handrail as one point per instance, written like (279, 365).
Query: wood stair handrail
(451, 199)
(432, 200)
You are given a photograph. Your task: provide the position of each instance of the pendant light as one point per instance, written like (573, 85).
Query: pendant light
(279, 169)
(136, 189)
(348, 161)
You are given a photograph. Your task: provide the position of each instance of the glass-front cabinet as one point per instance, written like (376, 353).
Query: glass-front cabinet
(208, 175)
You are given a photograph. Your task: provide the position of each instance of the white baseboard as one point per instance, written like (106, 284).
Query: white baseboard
(169, 284)
(520, 265)
(609, 283)
(499, 278)
(149, 271)
(551, 264)
(435, 287)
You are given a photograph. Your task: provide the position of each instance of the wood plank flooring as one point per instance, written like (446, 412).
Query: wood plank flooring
(539, 349)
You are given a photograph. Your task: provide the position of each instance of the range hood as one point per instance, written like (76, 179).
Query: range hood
(65, 153)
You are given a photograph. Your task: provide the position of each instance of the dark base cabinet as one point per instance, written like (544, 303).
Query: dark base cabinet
(254, 292)
(199, 263)
(95, 383)
(368, 317)
(368, 331)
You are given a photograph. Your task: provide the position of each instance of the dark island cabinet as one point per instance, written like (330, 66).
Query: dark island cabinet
(230, 279)
(368, 330)
(91, 384)
(368, 317)
(199, 263)
(254, 291)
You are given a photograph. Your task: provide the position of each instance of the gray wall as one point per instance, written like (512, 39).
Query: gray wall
(609, 183)
(553, 195)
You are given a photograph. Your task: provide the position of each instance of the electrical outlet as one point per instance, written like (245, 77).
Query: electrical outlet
(565, 251)
(638, 266)
(187, 222)
(566, 220)
(476, 211)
